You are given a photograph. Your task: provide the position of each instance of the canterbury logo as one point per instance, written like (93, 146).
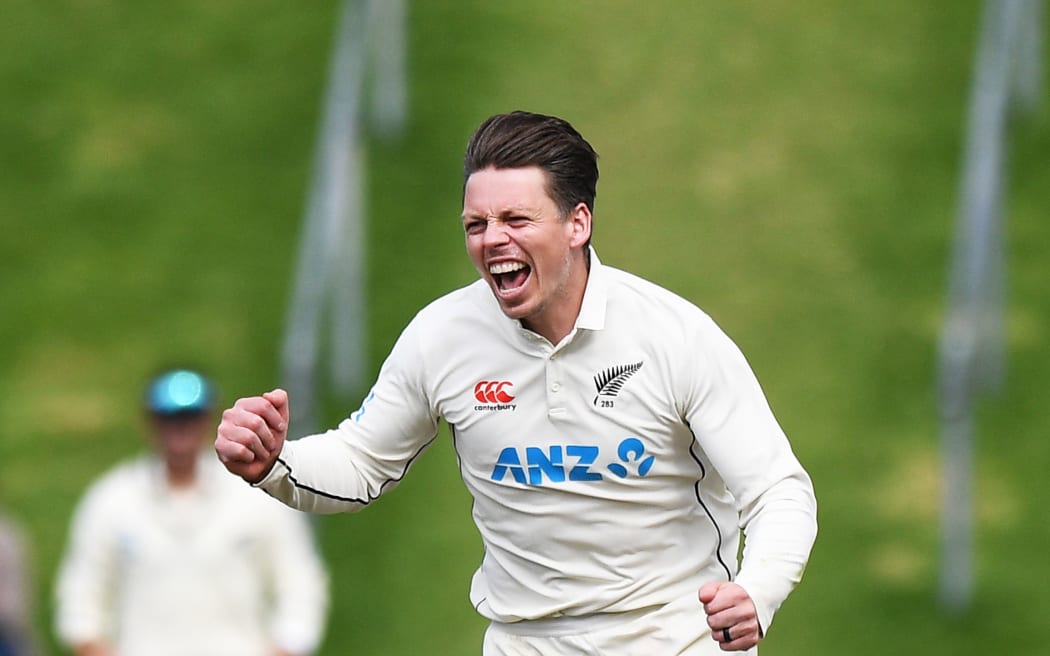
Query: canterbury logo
(493, 391)
(610, 381)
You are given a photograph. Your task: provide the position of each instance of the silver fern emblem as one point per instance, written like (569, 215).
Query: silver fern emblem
(610, 381)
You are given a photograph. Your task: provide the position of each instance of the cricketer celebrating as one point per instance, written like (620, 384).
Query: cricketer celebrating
(614, 439)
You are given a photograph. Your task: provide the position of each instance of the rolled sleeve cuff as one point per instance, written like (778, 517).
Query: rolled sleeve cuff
(276, 474)
(764, 608)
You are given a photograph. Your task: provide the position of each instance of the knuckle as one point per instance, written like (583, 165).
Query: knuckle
(247, 402)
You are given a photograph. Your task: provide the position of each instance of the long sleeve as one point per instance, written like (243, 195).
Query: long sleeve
(83, 610)
(735, 427)
(300, 584)
(346, 468)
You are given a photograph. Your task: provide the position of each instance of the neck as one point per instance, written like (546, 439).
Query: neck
(181, 476)
(553, 329)
(558, 321)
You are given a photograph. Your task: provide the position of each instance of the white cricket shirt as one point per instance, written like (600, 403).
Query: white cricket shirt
(218, 569)
(610, 472)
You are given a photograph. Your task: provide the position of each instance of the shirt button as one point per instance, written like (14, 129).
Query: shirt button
(555, 387)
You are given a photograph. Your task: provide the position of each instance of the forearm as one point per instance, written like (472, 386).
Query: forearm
(779, 531)
(336, 472)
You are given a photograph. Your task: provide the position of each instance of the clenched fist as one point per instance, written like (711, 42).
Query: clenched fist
(252, 433)
(731, 615)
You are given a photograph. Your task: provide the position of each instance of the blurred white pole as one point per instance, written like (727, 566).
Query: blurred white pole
(383, 32)
(330, 267)
(388, 54)
(1028, 78)
(971, 349)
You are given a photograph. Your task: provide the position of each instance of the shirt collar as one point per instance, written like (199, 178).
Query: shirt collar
(595, 297)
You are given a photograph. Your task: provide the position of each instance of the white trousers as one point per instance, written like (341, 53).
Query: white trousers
(677, 629)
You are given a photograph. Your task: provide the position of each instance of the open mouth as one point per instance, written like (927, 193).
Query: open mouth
(509, 276)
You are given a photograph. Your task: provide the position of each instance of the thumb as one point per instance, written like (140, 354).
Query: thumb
(709, 590)
(278, 398)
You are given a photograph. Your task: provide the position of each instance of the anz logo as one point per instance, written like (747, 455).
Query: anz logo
(573, 462)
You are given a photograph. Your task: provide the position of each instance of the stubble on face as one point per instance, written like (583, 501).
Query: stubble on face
(525, 248)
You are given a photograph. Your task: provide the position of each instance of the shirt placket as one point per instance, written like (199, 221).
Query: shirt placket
(555, 386)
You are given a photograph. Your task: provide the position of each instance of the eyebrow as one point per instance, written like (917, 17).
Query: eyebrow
(512, 211)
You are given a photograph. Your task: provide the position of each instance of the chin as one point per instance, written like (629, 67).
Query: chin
(517, 312)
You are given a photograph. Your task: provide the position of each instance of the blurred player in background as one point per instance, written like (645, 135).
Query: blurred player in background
(170, 555)
(16, 635)
(614, 439)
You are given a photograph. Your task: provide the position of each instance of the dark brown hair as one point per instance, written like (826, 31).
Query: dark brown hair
(520, 139)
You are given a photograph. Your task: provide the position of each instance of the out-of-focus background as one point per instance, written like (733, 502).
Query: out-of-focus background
(793, 168)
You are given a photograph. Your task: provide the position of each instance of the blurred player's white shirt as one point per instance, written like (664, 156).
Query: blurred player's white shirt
(610, 472)
(218, 569)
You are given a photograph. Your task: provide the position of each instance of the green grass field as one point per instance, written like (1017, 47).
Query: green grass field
(790, 167)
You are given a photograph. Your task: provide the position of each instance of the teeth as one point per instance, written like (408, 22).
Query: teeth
(505, 267)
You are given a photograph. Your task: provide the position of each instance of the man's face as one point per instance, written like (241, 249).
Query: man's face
(180, 438)
(529, 253)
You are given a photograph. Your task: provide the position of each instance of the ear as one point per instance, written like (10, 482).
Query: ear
(580, 220)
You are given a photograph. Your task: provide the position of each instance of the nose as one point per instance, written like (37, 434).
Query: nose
(495, 233)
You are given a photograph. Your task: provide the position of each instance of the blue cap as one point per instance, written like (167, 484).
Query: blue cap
(179, 391)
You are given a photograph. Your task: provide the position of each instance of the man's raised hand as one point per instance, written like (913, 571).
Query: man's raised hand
(252, 433)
